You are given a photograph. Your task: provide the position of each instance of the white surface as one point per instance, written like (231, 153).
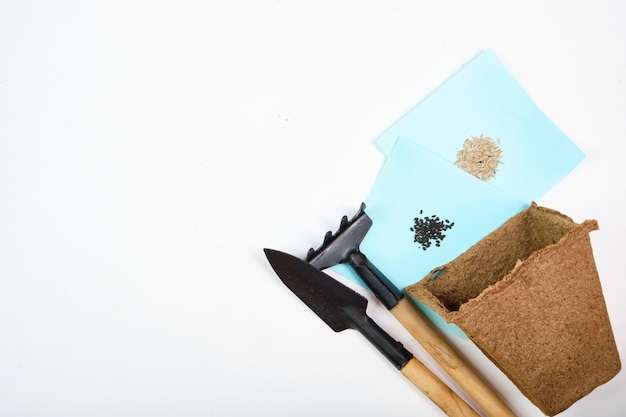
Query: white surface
(150, 150)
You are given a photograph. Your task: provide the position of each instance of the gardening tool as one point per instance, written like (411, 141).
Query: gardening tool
(342, 247)
(342, 308)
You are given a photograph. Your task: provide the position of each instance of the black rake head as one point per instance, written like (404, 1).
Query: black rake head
(337, 247)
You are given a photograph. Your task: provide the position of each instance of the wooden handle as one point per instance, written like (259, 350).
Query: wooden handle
(446, 399)
(449, 359)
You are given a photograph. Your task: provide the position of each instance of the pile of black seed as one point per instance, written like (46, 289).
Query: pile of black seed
(429, 229)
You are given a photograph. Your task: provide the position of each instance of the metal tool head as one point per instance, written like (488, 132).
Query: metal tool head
(339, 306)
(338, 247)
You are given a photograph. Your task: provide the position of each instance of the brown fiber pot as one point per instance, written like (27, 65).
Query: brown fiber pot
(529, 296)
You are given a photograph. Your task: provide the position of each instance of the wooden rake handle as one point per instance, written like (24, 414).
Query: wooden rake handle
(435, 389)
(449, 359)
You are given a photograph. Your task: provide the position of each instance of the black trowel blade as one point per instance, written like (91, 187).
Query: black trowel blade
(339, 306)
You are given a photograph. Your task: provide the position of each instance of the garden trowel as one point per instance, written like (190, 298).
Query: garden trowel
(342, 308)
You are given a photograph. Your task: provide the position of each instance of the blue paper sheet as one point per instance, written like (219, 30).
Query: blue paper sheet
(412, 183)
(483, 98)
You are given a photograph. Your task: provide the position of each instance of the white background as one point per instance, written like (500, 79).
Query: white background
(149, 151)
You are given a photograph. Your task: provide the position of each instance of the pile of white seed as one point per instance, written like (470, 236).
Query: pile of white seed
(480, 157)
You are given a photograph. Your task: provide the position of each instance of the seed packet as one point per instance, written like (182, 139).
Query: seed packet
(425, 212)
(484, 99)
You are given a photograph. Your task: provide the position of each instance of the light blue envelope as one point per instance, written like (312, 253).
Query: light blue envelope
(415, 183)
(483, 98)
